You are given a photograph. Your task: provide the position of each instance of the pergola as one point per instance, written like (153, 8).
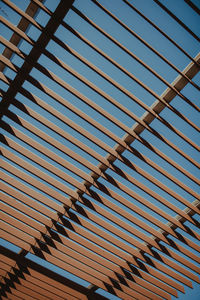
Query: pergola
(91, 206)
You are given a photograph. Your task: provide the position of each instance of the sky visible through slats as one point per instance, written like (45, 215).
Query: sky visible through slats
(37, 81)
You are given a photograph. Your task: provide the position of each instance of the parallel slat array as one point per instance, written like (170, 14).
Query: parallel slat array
(82, 191)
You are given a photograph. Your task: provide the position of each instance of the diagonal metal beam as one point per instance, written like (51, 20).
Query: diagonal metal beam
(168, 95)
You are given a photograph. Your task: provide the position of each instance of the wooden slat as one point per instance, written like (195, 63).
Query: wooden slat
(88, 150)
(51, 278)
(35, 52)
(94, 248)
(138, 59)
(177, 20)
(22, 26)
(83, 229)
(136, 79)
(93, 228)
(97, 208)
(164, 34)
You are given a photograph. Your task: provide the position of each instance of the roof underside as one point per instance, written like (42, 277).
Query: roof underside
(100, 149)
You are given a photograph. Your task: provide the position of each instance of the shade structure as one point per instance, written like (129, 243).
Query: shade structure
(100, 149)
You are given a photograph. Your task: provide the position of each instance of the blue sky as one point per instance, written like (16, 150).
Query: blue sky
(161, 44)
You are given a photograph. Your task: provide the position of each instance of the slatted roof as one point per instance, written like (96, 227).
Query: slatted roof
(100, 149)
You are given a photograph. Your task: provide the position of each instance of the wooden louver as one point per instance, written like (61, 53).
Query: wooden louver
(92, 208)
